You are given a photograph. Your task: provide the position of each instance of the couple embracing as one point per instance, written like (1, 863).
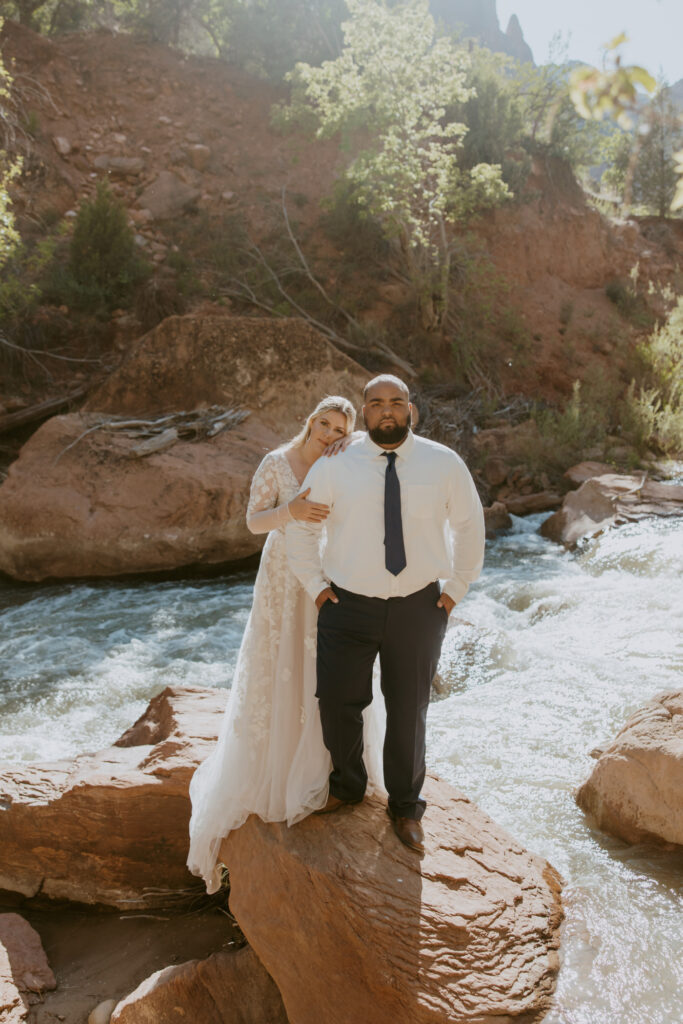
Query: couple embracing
(362, 527)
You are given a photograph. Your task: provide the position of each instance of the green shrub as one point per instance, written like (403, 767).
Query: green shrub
(208, 252)
(582, 423)
(485, 328)
(103, 266)
(566, 313)
(351, 228)
(629, 302)
(653, 408)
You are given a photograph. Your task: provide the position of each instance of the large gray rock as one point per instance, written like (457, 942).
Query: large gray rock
(167, 196)
(354, 927)
(635, 791)
(124, 165)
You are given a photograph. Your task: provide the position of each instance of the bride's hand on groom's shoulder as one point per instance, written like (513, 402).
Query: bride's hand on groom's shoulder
(338, 446)
(307, 511)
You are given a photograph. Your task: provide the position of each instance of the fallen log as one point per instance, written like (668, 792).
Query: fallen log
(42, 411)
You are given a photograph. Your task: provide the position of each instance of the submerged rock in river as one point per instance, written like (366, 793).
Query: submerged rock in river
(78, 502)
(111, 827)
(635, 791)
(352, 926)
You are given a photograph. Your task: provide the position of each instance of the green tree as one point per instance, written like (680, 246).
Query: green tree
(50, 16)
(552, 126)
(654, 178)
(493, 114)
(615, 153)
(642, 169)
(268, 37)
(387, 93)
(103, 264)
(9, 169)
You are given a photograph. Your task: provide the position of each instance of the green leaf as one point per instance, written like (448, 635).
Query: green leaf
(617, 41)
(643, 77)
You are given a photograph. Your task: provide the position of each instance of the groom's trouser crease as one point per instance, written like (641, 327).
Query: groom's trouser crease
(407, 633)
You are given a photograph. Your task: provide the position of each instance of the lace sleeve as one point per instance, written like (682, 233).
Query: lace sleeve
(263, 512)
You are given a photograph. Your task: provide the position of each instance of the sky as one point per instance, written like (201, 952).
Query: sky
(654, 28)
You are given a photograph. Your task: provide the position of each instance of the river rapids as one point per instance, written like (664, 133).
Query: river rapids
(543, 662)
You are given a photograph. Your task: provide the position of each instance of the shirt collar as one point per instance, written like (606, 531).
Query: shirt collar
(404, 449)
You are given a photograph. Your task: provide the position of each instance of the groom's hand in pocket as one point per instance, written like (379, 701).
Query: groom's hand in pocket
(327, 594)
(446, 602)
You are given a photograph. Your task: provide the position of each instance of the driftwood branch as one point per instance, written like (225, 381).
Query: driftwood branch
(159, 434)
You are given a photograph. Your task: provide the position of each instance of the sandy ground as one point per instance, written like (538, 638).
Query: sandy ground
(105, 955)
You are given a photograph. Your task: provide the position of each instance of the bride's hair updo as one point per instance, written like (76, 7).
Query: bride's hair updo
(330, 403)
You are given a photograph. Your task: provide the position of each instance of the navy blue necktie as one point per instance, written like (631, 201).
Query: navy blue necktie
(394, 551)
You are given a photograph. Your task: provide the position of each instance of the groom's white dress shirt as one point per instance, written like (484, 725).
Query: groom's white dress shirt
(442, 517)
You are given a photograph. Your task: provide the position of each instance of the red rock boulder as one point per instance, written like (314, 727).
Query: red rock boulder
(111, 827)
(24, 970)
(635, 791)
(354, 927)
(609, 500)
(226, 988)
(80, 502)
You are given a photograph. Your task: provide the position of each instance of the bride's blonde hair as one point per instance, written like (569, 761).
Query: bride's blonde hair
(330, 403)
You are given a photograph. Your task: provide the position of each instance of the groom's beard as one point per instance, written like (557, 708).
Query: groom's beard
(390, 433)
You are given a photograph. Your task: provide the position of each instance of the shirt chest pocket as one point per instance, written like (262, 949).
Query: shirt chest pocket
(419, 501)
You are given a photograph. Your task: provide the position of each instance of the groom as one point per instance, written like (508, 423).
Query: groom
(404, 513)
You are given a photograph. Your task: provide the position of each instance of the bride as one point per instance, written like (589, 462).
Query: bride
(270, 758)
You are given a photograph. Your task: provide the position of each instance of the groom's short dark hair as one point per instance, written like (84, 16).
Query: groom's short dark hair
(386, 378)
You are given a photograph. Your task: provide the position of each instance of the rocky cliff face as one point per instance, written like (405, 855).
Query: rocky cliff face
(479, 18)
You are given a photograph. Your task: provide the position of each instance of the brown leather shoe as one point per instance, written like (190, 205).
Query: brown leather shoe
(409, 831)
(334, 803)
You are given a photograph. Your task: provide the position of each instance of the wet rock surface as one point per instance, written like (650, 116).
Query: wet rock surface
(610, 500)
(635, 791)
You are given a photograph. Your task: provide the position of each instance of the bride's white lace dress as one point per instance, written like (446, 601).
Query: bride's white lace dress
(270, 758)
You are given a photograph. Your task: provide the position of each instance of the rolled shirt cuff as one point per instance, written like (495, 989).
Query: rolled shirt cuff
(316, 586)
(455, 588)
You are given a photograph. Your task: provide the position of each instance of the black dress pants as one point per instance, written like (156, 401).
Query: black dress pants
(407, 633)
